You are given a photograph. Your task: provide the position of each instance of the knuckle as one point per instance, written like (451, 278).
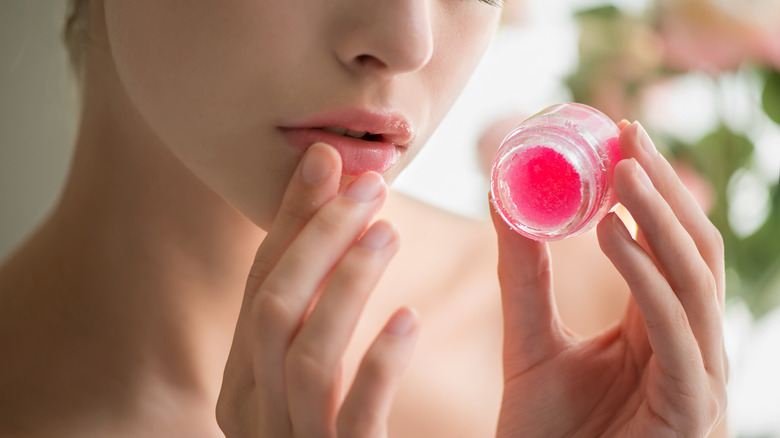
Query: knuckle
(719, 395)
(376, 369)
(270, 311)
(305, 367)
(258, 273)
(703, 288)
(706, 287)
(709, 284)
(293, 213)
(339, 214)
(712, 314)
(678, 319)
(723, 403)
(327, 222)
(533, 278)
(260, 267)
(716, 408)
(354, 273)
(715, 240)
(255, 278)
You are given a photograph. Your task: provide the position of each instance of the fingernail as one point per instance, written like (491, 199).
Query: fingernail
(618, 224)
(365, 188)
(641, 175)
(645, 140)
(315, 167)
(402, 322)
(378, 236)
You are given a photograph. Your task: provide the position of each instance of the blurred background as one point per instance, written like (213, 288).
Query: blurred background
(703, 76)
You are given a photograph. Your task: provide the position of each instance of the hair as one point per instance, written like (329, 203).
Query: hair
(75, 35)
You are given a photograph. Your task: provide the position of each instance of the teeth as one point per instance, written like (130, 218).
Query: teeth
(335, 130)
(356, 134)
(344, 131)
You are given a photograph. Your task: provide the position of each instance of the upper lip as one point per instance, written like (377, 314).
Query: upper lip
(386, 125)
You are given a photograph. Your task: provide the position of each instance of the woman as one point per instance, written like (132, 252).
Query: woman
(209, 129)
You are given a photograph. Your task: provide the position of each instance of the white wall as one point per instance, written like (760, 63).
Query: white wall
(37, 114)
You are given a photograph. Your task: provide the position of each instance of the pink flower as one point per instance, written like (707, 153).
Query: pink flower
(716, 35)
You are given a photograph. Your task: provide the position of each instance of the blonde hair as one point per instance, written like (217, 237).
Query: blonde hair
(75, 34)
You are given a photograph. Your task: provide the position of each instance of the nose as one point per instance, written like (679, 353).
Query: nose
(384, 36)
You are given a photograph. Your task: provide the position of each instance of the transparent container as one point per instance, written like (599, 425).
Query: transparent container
(552, 176)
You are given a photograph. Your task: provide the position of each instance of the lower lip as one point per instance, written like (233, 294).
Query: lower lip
(357, 156)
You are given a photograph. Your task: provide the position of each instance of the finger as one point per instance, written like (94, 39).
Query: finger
(349, 286)
(635, 143)
(313, 364)
(318, 248)
(635, 328)
(288, 291)
(532, 329)
(676, 255)
(315, 182)
(366, 408)
(666, 322)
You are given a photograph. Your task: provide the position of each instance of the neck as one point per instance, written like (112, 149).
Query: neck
(143, 260)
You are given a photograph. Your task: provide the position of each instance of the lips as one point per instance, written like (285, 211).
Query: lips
(366, 140)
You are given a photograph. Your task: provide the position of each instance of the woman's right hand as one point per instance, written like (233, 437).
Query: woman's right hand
(306, 291)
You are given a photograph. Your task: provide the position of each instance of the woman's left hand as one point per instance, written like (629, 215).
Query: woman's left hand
(662, 370)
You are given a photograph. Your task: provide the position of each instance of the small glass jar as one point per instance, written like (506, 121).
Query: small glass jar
(552, 177)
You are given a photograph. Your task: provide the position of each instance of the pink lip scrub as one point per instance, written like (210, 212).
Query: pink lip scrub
(552, 177)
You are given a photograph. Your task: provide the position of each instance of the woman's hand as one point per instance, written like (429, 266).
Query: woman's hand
(661, 371)
(306, 290)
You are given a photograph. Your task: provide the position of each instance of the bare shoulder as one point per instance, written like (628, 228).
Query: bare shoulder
(37, 378)
(426, 224)
(25, 367)
(15, 383)
(442, 253)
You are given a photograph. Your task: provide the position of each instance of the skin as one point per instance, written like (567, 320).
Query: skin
(358, 55)
(157, 275)
(660, 371)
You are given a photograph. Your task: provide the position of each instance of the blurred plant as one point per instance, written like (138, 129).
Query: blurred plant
(720, 35)
(703, 77)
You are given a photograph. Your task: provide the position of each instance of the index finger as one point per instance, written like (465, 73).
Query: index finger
(635, 143)
(314, 183)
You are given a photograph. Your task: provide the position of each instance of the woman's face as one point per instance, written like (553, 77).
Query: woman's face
(238, 89)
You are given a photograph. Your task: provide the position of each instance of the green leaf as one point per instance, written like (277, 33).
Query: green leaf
(770, 98)
(721, 153)
(606, 11)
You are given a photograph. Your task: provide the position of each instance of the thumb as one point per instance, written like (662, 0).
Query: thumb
(532, 328)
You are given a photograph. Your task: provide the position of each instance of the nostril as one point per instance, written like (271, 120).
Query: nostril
(368, 60)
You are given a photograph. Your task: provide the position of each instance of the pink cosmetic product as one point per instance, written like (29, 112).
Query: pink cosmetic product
(552, 177)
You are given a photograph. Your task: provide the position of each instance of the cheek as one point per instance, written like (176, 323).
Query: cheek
(461, 40)
(167, 58)
(186, 71)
